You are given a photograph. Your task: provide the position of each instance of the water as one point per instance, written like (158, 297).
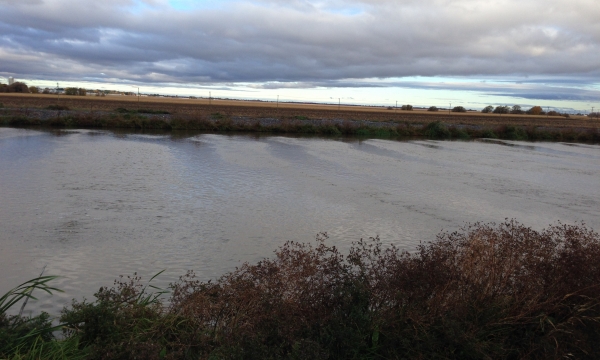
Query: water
(92, 205)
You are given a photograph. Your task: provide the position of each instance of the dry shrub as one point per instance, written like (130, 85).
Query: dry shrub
(487, 291)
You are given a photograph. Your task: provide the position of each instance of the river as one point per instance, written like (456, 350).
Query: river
(91, 205)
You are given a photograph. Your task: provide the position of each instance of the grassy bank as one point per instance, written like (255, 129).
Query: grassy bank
(485, 292)
(217, 122)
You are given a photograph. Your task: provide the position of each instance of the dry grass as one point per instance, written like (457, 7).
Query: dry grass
(486, 292)
(257, 109)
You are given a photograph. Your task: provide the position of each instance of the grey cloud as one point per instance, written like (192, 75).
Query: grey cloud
(303, 43)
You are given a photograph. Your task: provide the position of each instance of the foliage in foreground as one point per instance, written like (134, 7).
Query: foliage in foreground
(488, 291)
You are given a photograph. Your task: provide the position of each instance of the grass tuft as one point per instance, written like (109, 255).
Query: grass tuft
(57, 107)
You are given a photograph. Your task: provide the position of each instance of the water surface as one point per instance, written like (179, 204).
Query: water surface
(91, 205)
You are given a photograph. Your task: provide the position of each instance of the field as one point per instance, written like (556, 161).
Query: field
(283, 111)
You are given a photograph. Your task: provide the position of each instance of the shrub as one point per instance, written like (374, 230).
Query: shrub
(486, 291)
(512, 133)
(57, 107)
(488, 109)
(459, 109)
(487, 133)
(150, 111)
(407, 107)
(432, 108)
(436, 130)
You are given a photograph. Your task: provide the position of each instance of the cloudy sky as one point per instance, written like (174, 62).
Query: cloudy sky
(423, 52)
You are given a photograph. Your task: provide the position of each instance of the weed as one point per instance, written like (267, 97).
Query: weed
(300, 117)
(217, 116)
(19, 334)
(436, 130)
(512, 133)
(150, 111)
(57, 107)
(488, 133)
(458, 133)
(487, 291)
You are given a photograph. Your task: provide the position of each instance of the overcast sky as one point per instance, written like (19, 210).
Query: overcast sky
(426, 52)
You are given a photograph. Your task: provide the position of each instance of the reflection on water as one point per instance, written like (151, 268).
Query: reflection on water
(92, 204)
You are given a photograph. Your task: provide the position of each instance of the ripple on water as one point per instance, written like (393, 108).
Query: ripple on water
(94, 207)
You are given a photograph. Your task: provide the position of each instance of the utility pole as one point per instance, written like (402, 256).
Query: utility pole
(278, 101)
(57, 93)
(396, 108)
(209, 98)
(592, 114)
(450, 108)
(339, 103)
(138, 97)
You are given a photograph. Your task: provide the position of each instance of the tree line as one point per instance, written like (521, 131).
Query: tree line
(21, 87)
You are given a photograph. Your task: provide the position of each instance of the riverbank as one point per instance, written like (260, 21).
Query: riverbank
(221, 115)
(487, 291)
(155, 119)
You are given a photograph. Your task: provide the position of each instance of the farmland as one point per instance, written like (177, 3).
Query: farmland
(288, 111)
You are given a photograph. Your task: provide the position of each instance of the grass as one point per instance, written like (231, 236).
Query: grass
(487, 291)
(141, 111)
(57, 107)
(24, 337)
(218, 122)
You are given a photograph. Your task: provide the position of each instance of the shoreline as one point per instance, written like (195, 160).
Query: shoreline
(429, 127)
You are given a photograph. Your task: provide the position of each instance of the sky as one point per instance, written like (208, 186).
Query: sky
(376, 52)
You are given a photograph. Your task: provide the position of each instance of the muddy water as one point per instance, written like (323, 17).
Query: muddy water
(91, 205)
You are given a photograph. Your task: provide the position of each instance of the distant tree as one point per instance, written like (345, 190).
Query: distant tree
(459, 109)
(553, 113)
(46, 91)
(407, 107)
(516, 109)
(71, 91)
(81, 92)
(34, 90)
(536, 110)
(17, 87)
(432, 108)
(501, 110)
(488, 109)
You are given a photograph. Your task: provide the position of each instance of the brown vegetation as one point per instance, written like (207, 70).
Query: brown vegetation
(486, 292)
(290, 111)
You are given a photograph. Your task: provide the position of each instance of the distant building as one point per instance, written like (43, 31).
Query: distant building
(11, 80)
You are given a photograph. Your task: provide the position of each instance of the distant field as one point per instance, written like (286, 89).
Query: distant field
(260, 109)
